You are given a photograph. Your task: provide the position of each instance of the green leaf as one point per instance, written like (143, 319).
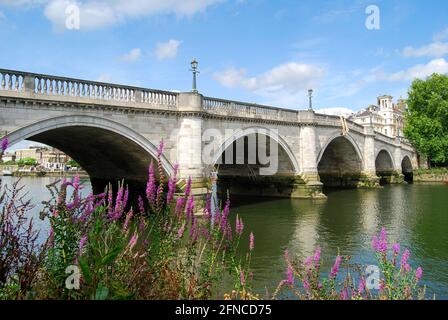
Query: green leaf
(85, 270)
(111, 256)
(101, 293)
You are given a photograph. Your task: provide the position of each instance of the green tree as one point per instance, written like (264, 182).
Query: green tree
(427, 117)
(27, 162)
(73, 163)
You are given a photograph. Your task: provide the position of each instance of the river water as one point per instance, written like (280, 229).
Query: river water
(416, 216)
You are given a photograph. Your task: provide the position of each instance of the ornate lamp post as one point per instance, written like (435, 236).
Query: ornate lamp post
(310, 96)
(194, 69)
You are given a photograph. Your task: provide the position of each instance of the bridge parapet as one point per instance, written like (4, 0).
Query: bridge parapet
(247, 110)
(34, 85)
(335, 121)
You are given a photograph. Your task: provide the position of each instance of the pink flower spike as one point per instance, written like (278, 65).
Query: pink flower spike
(419, 273)
(251, 241)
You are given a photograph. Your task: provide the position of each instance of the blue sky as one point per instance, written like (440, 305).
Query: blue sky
(263, 51)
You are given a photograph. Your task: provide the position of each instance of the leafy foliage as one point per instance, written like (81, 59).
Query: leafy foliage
(427, 117)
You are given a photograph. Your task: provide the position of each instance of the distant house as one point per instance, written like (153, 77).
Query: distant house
(9, 157)
(386, 117)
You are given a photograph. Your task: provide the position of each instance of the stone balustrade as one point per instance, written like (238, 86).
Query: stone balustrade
(45, 85)
(35, 86)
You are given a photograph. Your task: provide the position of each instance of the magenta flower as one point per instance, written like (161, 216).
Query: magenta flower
(127, 221)
(141, 205)
(239, 226)
(5, 143)
(361, 286)
(251, 241)
(404, 260)
(133, 241)
(180, 232)
(396, 248)
(382, 245)
(307, 262)
(335, 269)
(190, 208)
(306, 284)
(82, 243)
(172, 185)
(289, 276)
(180, 202)
(242, 279)
(316, 257)
(151, 185)
(419, 273)
(188, 187)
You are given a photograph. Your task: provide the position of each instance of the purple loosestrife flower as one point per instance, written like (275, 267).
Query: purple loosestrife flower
(179, 206)
(404, 260)
(151, 185)
(133, 241)
(239, 226)
(225, 215)
(110, 199)
(82, 243)
(362, 286)
(172, 185)
(5, 143)
(289, 276)
(316, 257)
(242, 279)
(141, 205)
(396, 248)
(188, 187)
(180, 232)
(306, 284)
(190, 208)
(419, 273)
(335, 269)
(127, 221)
(251, 242)
(382, 245)
(307, 262)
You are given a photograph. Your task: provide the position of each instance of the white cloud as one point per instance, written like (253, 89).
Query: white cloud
(284, 85)
(420, 71)
(337, 111)
(441, 36)
(96, 14)
(167, 50)
(435, 50)
(104, 78)
(290, 77)
(132, 56)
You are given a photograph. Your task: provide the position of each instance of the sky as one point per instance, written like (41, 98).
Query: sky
(262, 51)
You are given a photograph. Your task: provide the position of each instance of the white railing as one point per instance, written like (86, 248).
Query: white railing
(46, 85)
(243, 109)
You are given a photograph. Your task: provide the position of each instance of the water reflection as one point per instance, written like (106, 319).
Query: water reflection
(414, 215)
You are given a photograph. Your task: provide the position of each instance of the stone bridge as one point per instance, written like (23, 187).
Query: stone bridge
(113, 131)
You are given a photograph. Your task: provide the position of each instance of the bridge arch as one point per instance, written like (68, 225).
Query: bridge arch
(106, 149)
(407, 169)
(340, 162)
(384, 166)
(244, 174)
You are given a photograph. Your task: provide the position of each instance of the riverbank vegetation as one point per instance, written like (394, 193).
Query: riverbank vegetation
(427, 118)
(101, 247)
